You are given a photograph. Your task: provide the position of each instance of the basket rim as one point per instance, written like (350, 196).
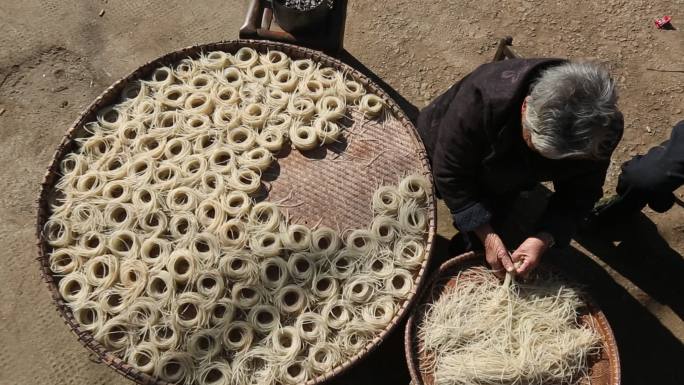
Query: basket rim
(101, 354)
(472, 258)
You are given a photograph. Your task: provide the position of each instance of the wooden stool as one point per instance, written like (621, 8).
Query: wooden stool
(261, 25)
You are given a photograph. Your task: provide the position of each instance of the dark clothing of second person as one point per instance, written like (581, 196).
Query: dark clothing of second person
(651, 178)
(473, 137)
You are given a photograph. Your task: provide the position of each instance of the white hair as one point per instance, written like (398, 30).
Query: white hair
(570, 112)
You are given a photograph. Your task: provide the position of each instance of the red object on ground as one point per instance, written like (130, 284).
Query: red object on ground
(663, 21)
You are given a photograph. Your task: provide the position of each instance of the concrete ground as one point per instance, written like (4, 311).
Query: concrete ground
(56, 56)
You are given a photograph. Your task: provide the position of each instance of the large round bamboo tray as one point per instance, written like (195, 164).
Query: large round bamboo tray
(334, 184)
(604, 370)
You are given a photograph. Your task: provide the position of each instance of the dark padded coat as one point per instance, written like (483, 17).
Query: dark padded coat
(473, 136)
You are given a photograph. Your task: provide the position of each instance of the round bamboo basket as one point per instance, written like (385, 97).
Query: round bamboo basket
(604, 370)
(341, 197)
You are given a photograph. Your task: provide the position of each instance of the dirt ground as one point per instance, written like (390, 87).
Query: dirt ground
(56, 56)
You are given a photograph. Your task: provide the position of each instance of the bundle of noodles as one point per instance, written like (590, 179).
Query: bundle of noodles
(482, 332)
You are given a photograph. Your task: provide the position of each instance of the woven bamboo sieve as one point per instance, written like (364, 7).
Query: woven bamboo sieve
(604, 370)
(334, 184)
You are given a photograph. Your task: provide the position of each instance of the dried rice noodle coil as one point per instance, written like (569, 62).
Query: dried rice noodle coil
(311, 88)
(386, 200)
(85, 217)
(311, 327)
(227, 117)
(303, 67)
(246, 180)
(258, 74)
(284, 79)
(89, 316)
(286, 342)
(201, 82)
(301, 267)
(323, 357)
(111, 118)
(119, 215)
(361, 241)
(118, 191)
(240, 268)
(154, 223)
(210, 284)
(379, 313)
(214, 373)
(258, 159)
(359, 289)
(371, 105)
(303, 138)
(221, 312)
(189, 310)
(265, 244)
(327, 131)
(238, 336)
(412, 218)
(143, 312)
(112, 301)
(399, 284)
(64, 261)
(133, 275)
(264, 318)
(183, 226)
(204, 345)
(351, 90)
(325, 241)
(380, 265)
(246, 296)
(273, 273)
(297, 238)
(241, 138)
(57, 232)
(274, 60)
(385, 229)
(231, 77)
(409, 253)
(215, 60)
(210, 214)
(264, 216)
(233, 234)
(331, 107)
(276, 99)
(225, 96)
(116, 335)
(161, 286)
(212, 184)
(143, 357)
(165, 336)
(293, 373)
(154, 252)
(185, 69)
(161, 77)
(206, 247)
(324, 286)
(174, 367)
(271, 139)
(222, 160)
(237, 204)
(173, 96)
(255, 115)
(301, 108)
(193, 168)
(182, 265)
(336, 314)
(414, 187)
(102, 271)
(182, 199)
(291, 300)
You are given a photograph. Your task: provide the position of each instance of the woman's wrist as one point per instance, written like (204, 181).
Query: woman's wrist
(546, 238)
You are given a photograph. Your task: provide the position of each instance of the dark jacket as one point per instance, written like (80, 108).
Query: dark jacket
(473, 136)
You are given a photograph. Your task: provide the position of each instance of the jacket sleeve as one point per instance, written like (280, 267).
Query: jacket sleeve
(572, 200)
(457, 160)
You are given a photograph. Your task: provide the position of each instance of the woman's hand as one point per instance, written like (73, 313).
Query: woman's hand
(495, 251)
(529, 253)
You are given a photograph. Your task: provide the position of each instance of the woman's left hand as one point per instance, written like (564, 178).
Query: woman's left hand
(528, 255)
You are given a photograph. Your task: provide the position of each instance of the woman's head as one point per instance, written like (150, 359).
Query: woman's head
(570, 112)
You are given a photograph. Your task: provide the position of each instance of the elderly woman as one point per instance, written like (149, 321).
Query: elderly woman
(511, 124)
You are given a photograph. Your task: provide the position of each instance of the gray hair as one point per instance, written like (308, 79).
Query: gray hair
(570, 112)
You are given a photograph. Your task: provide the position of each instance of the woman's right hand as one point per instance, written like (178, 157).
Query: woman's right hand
(495, 251)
